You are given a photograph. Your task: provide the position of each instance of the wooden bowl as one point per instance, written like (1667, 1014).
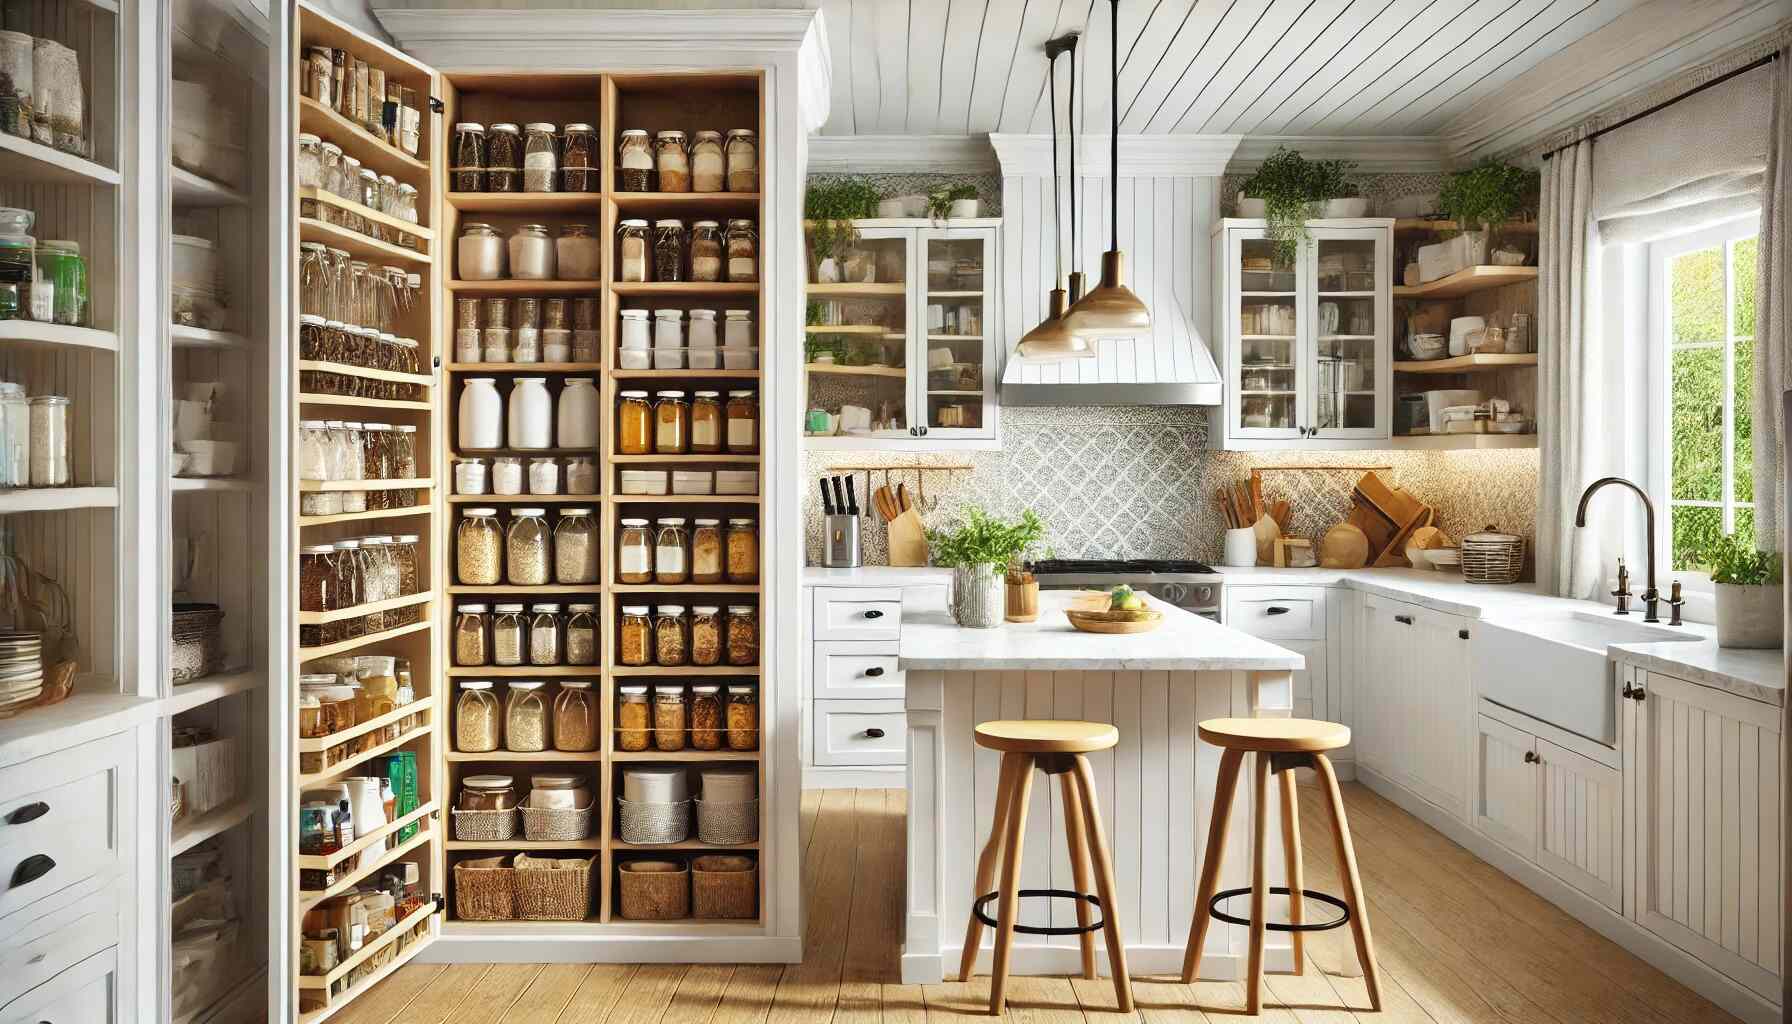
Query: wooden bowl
(1142, 621)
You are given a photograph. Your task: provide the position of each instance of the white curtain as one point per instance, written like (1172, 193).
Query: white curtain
(1773, 315)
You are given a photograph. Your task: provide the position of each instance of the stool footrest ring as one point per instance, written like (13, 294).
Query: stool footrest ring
(1063, 894)
(1213, 909)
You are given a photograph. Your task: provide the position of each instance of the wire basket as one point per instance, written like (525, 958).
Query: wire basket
(198, 646)
(727, 824)
(1492, 557)
(553, 888)
(654, 823)
(557, 824)
(485, 826)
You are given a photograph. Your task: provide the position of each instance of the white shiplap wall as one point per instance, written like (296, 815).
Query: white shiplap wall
(1164, 222)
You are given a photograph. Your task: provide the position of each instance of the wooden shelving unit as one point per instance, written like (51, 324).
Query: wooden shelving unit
(1466, 281)
(1466, 364)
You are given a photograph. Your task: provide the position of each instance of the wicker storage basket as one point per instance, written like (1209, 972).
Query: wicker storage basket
(724, 886)
(197, 649)
(484, 890)
(553, 888)
(1492, 557)
(727, 824)
(654, 823)
(484, 826)
(557, 824)
(653, 890)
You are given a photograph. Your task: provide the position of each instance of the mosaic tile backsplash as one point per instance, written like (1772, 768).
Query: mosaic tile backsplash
(1140, 483)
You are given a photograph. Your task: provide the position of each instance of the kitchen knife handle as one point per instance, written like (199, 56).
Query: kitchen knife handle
(827, 504)
(852, 498)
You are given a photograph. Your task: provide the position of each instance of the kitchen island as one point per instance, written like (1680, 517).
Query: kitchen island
(1155, 788)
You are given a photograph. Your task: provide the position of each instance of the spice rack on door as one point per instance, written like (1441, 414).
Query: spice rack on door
(610, 102)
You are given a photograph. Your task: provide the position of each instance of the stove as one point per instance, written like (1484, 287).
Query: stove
(1189, 585)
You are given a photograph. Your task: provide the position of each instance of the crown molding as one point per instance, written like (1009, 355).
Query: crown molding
(1141, 156)
(595, 32)
(948, 154)
(1373, 154)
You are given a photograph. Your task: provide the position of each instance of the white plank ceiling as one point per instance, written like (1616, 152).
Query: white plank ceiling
(1260, 67)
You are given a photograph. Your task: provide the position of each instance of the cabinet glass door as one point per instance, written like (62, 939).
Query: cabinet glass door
(857, 339)
(1350, 332)
(1266, 370)
(954, 370)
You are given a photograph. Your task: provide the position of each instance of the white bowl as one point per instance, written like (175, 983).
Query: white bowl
(1443, 558)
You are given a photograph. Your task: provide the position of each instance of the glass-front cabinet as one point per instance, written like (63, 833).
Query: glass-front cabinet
(1306, 337)
(900, 350)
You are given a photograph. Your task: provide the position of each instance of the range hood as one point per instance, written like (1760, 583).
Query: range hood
(1170, 367)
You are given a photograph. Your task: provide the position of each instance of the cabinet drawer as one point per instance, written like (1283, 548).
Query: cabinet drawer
(61, 828)
(857, 613)
(1278, 614)
(850, 670)
(35, 950)
(80, 995)
(860, 732)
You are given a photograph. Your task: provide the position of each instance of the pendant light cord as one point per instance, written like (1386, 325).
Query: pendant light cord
(1057, 225)
(1114, 137)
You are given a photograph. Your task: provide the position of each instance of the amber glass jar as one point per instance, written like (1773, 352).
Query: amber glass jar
(671, 635)
(742, 642)
(634, 721)
(634, 423)
(575, 716)
(743, 422)
(706, 717)
(668, 717)
(671, 423)
(634, 554)
(743, 718)
(486, 793)
(706, 635)
(706, 422)
(706, 551)
(743, 551)
(635, 636)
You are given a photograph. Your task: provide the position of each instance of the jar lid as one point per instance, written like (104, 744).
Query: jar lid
(634, 609)
(668, 314)
(581, 608)
(705, 689)
(740, 133)
(504, 126)
(312, 320)
(739, 222)
(633, 314)
(671, 133)
(318, 549)
(741, 521)
(579, 126)
(534, 228)
(704, 224)
(527, 686)
(706, 394)
(377, 426)
(707, 133)
(668, 394)
(406, 428)
(632, 394)
(377, 539)
(742, 393)
(633, 222)
(508, 609)
(405, 187)
(556, 781)
(317, 679)
(703, 314)
(407, 538)
(487, 781)
(508, 460)
(632, 691)
(539, 459)
(740, 609)
(311, 424)
(669, 222)
(481, 511)
(476, 684)
(531, 512)
(469, 126)
(542, 126)
(311, 246)
(387, 179)
(330, 147)
(348, 545)
(704, 609)
(634, 133)
(476, 225)
(739, 314)
(308, 139)
(707, 522)
(634, 522)
(669, 690)
(586, 381)
(575, 684)
(552, 607)
(368, 172)
(472, 609)
(736, 691)
(671, 609)
(670, 521)
(566, 513)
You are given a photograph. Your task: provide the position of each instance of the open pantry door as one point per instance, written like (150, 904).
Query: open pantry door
(361, 885)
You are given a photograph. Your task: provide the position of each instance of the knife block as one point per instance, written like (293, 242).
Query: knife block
(908, 539)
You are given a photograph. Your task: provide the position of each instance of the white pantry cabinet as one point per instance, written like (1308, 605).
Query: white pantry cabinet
(1416, 701)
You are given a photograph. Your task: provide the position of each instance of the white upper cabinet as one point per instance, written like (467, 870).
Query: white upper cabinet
(1305, 344)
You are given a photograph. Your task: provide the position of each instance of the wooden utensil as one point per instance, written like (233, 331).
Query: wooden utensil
(903, 501)
(1286, 548)
(1344, 546)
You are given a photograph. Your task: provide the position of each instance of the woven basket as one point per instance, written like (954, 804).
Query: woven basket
(484, 890)
(553, 889)
(197, 649)
(1490, 557)
(727, 824)
(557, 824)
(654, 823)
(724, 886)
(653, 890)
(484, 826)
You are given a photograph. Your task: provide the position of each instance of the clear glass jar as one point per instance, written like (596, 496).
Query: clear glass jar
(672, 162)
(496, 344)
(706, 251)
(541, 158)
(576, 716)
(481, 252)
(634, 162)
(671, 423)
(407, 204)
(479, 548)
(671, 635)
(632, 246)
(743, 718)
(634, 719)
(310, 164)
(526, 718)
(510, 635)
(743, 422)
(478, 721)
(404, 454)
(504, 159)
(706, 551)
(526, 546)
(467, 172)
(49, 441)
(706, 422)
(707, 731)
(389, 195)
(314, 287)
(581, 634)
(581, 475)
(580, 257)
(578, 159)
(742, 248)
(634, 553)
(706, 635)
(671, 551)
(544, 476)
(743, 160)
(544, 634)
(743, 551)
(368, 190)
(575, 547)
(668, 717)
(317, 586)
(634, 423)
(742, 641)
(634, 636)
(472, 635)
(668, 250)
(486, 792)
(532, 255)
(708, 165)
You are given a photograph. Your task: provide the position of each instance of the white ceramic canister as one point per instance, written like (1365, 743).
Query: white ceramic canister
(577, 419)
(481, 415)
(729, 786)
(655, 785)
(737, 329)
(531, 414)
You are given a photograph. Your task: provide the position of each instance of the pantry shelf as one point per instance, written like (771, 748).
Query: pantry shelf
(56, 499)
(368, 213)
(356, 244)
(521, 756)
(689, 844)
(419, 483)
(856, 290)
(525, 367)
(182, 336)
(684, 459)
(193, 190)
(327, 124)
(523, 672)
(193, 831)
(385, 938)
(1466, 281)
(22, 160)
(1461, 442)
(359, 988)
(690, 374)
(360, 517)
(682, 499)
(895, 372)
(328, 861)
(314, 744)
(684, 670)
(1466, 364)
(668, 288)
(187, 696)
(309, 897)
(683, 756)
(217, 484)
(523, 499)
(363, 403)
(515, 287)
(357, 611)
(392, 376)
(688, 204)
(684, 588)
(343, 766)
(527, 202)
(541, 588)
(371, 639)
(35, 334)
(523, 844)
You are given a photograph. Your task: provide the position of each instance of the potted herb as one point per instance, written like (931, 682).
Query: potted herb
(1285, 186)
(979, 552)
(1750, 592)
(830, 207)
(1485, 196)
(950, 201)
(1331, 182)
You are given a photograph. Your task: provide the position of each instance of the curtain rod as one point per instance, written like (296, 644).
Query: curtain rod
(1664, 104)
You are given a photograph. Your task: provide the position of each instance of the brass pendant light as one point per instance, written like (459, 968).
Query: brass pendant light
(1112, 310)
(1053, 340)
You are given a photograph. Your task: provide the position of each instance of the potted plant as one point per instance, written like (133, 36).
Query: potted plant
(1341, 196)
(1284, 185)
(1486, 196)
(949, 201)
(979, 552)
(1750, 592)
(830, 207)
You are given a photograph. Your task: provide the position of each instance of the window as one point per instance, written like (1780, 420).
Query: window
(1703, 325)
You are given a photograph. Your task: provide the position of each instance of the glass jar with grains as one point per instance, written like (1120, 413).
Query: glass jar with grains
(476, 718)
(671, 423)
(672, 161)
(743, 551)
(743, 422)
(526, 728)
(541, 158)
(526, 548)
(504, 159)
(472, 635)
(575, 716)
(634, 162)
(743, 160)
(578, 252)
(668, 250)
(634, 423)
(668, 717)
(707, 163)
(706, 551)
(544, 634)
(743, 635)
(631, 250)
(671, 551)
(575, 547)
(468, 172)
(706, 422)
(706, 717)
(742, 245)
(578, 159)
(706, 635)
(634, 553)
(478, 546)
(510, 640)
(743, 718)
(581, 634)
(671, 635)
(633, 723)
(635, 636)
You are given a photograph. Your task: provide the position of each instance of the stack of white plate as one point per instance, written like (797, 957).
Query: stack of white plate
(21, 667)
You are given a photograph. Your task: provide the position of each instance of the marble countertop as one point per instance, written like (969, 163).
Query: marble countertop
(1185, 642)
(877, 576)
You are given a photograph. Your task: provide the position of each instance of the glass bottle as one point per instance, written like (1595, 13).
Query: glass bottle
(742, 558)
(706, 251)
(706, 635)
(742, 642)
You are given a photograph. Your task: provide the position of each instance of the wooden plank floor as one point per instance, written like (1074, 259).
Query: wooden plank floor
(1459, 942)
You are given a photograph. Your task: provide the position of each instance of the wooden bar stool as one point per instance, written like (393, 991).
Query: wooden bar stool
(1281, 745)
(1055, 748)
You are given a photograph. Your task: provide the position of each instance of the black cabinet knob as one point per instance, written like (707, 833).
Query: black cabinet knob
(874, 614)
(31, 869)
(874, 734)
(1530, 757)
(1275, 609)
(875, 671)
(29, 812)
(1404, 620)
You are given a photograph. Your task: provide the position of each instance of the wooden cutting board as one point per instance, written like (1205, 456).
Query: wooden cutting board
(1344, 546)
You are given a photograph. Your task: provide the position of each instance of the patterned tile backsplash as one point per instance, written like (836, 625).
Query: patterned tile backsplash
(1139, 483)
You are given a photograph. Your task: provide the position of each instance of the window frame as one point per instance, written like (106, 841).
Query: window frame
(1661, 253)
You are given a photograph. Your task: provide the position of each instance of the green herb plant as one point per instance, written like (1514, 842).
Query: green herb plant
(985, 540)
(1736, 562)
(1289, 184)
(940, 200)
(1487, 194)
(830, 206)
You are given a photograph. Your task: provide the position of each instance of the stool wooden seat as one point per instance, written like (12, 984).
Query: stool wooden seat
(1056, 748)
(1281, 745)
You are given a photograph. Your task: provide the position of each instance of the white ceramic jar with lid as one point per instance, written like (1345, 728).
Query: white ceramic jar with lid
(558, 792)
(470, 476)
(507, 475)
(578, 413)
(531, 414)
(544, 476)
(481, 415)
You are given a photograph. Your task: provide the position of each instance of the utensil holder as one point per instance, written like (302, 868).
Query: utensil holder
(840, 542)
(1240, 548)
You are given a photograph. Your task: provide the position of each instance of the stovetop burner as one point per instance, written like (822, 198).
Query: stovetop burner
(1049, 566)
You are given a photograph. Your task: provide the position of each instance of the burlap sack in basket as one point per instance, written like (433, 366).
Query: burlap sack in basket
(724, 886)
(484, 890)
(552, 888)
(654, 890)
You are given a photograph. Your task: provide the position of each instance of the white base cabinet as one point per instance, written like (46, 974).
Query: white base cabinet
(1414, 700)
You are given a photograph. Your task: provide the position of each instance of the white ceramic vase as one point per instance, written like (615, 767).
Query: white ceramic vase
(1750, 617)
(964, 208)
(979, 596)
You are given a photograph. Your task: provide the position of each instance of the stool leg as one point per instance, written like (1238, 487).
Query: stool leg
(1253, 993)
(1353, 882)
(986, 866)
(1224, 788)
(1079, 864)
(1018, 791)
(1104, 881)
(1291, 854)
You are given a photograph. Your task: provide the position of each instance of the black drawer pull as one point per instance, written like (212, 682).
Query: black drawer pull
(29, 812)
(874, 614)
(31, 869)
(1275, 609)
(875, 670)
(874, 734)
(1404, 620)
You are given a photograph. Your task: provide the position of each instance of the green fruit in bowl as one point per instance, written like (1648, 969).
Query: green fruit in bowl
(1123, 599)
